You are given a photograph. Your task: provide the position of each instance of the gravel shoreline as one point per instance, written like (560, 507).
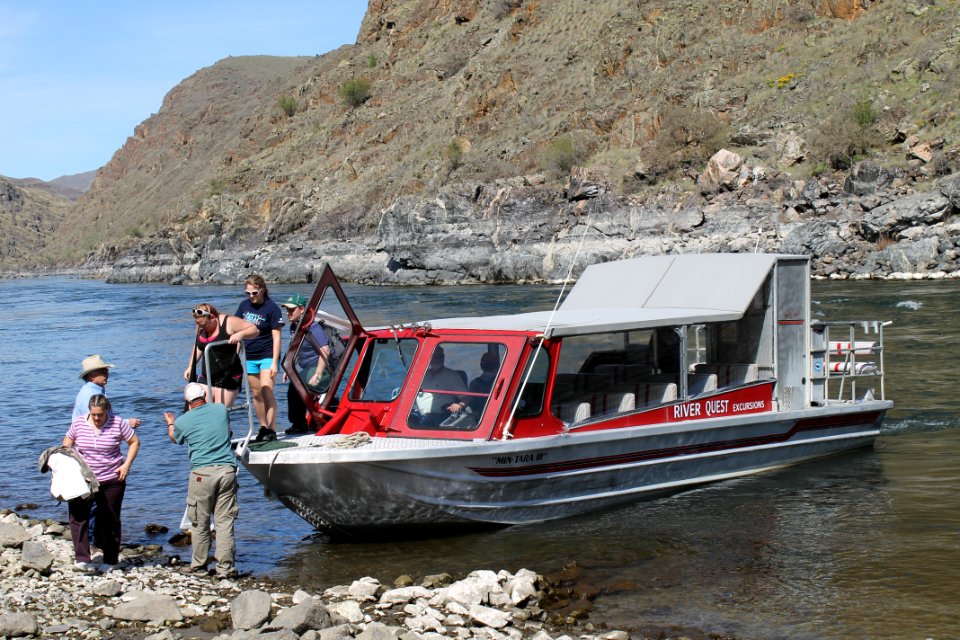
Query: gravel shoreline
(45, 596)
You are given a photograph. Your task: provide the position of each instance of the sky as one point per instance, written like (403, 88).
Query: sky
(77, 77)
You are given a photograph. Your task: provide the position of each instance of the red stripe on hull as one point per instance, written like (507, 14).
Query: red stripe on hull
(807, 424)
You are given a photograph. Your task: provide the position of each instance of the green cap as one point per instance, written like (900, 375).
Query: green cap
(295, 300)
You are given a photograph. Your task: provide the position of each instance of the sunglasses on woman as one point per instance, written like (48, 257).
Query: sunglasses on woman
(200, 313)
(252, 293)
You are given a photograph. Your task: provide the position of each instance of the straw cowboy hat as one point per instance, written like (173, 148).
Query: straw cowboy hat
(92, 363)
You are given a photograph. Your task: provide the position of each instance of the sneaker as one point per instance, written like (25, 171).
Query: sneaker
(296, 431)
(265, 435)
(230, 575)
(84, 567)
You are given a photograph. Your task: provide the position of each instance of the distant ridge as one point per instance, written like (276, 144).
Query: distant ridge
(70, 187)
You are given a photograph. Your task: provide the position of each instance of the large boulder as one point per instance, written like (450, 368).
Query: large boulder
(12, 535)
(307, 615)
(149, 607)
(950, 187)
(16, 625)
(722, 172)
(788, 148)
(866, 178)
(35, 555)
(911, 211)
(250, 609)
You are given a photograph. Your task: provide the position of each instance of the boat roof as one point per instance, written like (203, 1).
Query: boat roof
(642, 293)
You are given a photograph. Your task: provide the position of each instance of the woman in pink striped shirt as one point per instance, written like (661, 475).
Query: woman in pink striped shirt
(97, 437)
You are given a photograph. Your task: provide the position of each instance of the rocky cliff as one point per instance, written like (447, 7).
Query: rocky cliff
(486, 140)
(29, 215)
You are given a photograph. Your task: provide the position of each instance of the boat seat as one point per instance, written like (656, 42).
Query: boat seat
(571, 412)
(607, 403)
(730, 375)
(652, 393)
(698, 383)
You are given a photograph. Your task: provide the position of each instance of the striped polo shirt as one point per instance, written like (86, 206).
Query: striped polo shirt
(101, 451)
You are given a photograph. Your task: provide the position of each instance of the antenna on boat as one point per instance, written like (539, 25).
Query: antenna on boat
(523, 385)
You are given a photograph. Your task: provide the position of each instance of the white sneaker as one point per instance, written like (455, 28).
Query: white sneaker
(84, 567)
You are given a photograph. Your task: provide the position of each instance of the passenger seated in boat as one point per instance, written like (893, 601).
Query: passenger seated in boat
(489, 363)
(439, 396)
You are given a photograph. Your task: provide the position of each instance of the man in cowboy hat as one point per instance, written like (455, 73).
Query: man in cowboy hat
(95, 373)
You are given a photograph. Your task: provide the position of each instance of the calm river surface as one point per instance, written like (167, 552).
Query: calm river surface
(865, 545)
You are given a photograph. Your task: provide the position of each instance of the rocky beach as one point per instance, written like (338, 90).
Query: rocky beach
(147, 596)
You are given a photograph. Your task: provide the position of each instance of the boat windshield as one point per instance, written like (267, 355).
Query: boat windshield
(455, 388)
(384, 370)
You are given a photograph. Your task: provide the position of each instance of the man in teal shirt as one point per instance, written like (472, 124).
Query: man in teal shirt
(213, 477)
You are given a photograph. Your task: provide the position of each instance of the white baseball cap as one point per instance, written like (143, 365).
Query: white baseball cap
(193, 391)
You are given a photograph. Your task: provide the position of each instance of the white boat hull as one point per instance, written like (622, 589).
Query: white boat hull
(392, 483)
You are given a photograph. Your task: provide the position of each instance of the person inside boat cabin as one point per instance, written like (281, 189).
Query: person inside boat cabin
(439, 398)
(489, 363)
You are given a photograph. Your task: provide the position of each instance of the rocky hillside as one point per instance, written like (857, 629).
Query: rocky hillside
(70, 187)
(479, 140)
(29, 215)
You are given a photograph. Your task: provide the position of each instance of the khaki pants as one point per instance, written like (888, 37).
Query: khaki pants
(213, 491)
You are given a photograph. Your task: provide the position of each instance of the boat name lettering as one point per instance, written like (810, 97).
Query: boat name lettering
(749, 406)
(517, 459)
(710, 408)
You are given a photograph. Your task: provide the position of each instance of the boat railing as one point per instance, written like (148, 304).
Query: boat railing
(247, 404)
(847, 361)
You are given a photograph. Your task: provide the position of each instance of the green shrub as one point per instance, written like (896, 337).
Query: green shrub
(214, 187)
(288, 105)
(864, 114)
(563, 153)
(846, 137)
(372, 61)
(354, 92)
(453, 153)
(687, 136)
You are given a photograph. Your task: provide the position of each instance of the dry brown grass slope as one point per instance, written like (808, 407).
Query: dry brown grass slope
(28, 216)
(467, 92)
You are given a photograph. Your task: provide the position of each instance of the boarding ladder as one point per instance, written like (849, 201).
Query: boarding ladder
(247, 404)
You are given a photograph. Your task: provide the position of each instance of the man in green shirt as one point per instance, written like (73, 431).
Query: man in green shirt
(213, 477)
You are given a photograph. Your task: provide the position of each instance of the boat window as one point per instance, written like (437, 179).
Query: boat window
(384, 370)
(319, 354)
(456, 386)
(531, 400)
(324, 341)
(615, 372)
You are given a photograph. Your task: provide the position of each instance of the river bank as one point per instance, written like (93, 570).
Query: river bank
(147, 596)
(871, 224)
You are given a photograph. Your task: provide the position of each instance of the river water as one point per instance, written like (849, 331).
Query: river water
(863, 545)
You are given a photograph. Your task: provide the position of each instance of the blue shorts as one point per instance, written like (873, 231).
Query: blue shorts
(254, 367)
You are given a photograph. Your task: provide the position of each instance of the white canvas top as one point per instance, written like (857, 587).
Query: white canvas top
(641, 293)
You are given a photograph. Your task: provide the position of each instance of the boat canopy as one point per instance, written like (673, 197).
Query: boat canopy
(642, 293)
